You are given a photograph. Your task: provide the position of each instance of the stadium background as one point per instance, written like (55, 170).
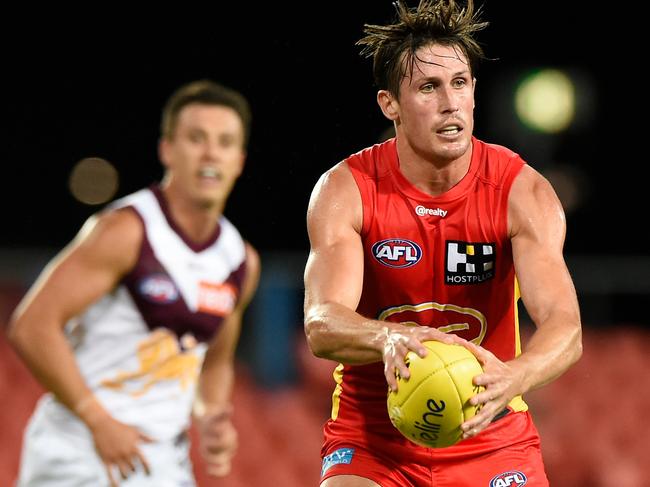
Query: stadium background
(94, 87)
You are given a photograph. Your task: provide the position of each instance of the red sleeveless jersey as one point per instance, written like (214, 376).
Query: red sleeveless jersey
(443, 261)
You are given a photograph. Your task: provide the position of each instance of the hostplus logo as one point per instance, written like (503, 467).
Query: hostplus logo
(469, 262)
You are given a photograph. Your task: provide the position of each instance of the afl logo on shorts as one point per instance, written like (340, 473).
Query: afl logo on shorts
(514, 478)
(397, 252)
(158, 288)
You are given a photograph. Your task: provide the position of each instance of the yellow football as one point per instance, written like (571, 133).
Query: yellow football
(430, 406)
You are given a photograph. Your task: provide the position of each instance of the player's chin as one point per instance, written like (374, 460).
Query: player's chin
(209, 198)
(452, 147)
(220, 469)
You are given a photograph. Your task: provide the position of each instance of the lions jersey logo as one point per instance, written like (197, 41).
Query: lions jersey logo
(397, 252)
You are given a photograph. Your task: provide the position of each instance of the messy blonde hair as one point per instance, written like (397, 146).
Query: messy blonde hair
(393, 47)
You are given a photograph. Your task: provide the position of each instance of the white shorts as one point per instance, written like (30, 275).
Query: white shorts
(62, 454)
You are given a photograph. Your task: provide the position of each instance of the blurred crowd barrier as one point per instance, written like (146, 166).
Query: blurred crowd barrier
(593, 419)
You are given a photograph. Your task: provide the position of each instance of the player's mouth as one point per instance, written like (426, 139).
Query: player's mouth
(450, 130)
(210, 174)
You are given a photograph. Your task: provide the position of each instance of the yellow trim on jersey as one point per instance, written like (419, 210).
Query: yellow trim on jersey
(517, 404)
(338, 378)
(517, 335)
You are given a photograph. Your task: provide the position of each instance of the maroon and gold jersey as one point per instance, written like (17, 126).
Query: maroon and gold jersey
(443, 261)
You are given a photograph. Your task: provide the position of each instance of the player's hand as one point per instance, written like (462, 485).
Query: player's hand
(218, 439)
(118, 446)
(501, 381)
(399, 340)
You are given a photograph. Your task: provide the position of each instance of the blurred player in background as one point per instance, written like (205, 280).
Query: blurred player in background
(134, 325)
(435, 234)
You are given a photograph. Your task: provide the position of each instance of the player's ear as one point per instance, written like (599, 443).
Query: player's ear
(163, 151)
(388, 104)
(242, 162)
(474, 80)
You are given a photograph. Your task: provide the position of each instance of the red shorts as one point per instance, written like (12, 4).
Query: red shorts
(506, 454)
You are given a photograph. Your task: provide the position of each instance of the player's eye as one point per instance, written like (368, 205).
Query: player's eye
(459, 82)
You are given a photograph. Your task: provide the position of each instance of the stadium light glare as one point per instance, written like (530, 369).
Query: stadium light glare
(545, 101)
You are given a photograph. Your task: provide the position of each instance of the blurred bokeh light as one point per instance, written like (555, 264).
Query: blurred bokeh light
(545, 100)
(93, 181)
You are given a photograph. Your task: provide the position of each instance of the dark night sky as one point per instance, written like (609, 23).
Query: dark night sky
(86, 89)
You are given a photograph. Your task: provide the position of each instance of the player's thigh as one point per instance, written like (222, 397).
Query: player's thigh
(54, 455)
(348, 481)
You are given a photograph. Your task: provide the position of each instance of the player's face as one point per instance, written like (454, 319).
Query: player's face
(205, 154)
(436, 104)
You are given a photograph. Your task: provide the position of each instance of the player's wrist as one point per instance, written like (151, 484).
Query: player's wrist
(382, 338)
(202, 409)
(90, 411)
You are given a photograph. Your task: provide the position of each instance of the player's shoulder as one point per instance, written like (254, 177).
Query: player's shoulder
(334, 181)
(533, 195)
(113, 227)
(253, 261)
(252, 255)
(496, 150)
(335, 200)
(497, 165)
(367, 160)
(530, 181)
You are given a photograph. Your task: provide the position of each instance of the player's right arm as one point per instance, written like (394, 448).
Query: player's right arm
(105, 249)
(334, 281)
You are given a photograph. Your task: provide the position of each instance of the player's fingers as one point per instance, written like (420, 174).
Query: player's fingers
(482, 419)
(219, 465)
(449, 338)
(402, 370)
(217, 447)
(414, 344)
(219, 470)
(399, 362)
(143, 461)
(111, 478)
(224, 413)
(483, 355)
(484, 396)
(126, 467)
(474, 427)
(145, 438)
(389, 373)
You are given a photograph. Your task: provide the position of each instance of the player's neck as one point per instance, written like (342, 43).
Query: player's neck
(432, 176)
(197, 221)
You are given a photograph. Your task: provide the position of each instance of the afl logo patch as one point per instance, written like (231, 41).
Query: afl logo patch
(397, 252)
(514, 478)
(158, 288)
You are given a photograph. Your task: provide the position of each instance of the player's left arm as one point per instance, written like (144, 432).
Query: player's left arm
(537, 229)
(213, 407)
